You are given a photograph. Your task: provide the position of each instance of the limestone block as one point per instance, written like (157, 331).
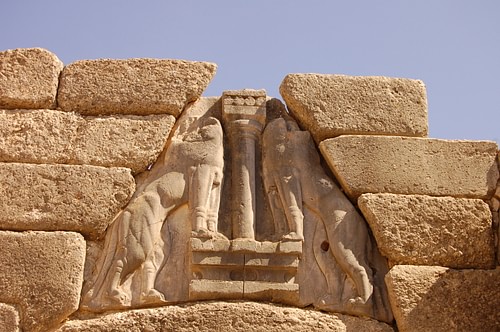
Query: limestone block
(29, 78)
(48, 136)
(42, 273)
(333, 105)
(133, 86)
(404, 165)
(9, 318)
(223, 316)
(424, 230)
(62, 197)
(433, 298)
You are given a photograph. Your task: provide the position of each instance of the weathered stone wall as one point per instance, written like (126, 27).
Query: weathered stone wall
(426, 200)
(75, 140)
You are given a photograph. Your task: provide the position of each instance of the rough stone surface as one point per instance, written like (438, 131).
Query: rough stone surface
(424, 230)
(48, 136)
(225, 316)
(433, 298)
(333, 105)
(134, 86)
(42, 274)
(62, 197)
(9, 318)
(29, 78)
(404, 165)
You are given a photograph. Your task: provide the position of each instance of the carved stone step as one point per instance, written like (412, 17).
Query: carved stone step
(253, 290)
(244, 269)
(243, 273)
(215, 289)
(246, 245)
(270, 291)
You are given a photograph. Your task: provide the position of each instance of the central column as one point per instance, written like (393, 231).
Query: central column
(244, 117)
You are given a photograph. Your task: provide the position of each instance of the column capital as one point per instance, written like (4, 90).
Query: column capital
(244, 104)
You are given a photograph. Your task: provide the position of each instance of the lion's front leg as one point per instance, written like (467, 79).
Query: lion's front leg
(201, 178)
(290, 192)
(214, 201)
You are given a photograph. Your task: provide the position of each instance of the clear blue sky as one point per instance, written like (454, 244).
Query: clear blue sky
(452, 45)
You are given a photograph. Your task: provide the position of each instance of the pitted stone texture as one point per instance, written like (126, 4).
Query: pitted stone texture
(48, 136)
(404, 165)
(424, 230)
(9, 318)
(62, 197)
(42, 274)
(225, 316)
(333, 105)
(29, 78)
(134, 86)
(433, 298)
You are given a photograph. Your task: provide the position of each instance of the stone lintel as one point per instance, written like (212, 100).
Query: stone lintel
(239, 316)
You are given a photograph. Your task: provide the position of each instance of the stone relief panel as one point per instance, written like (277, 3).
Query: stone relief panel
(238, 206)
(143, 260)
(300, 192)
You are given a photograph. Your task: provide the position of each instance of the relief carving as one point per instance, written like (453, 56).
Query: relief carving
(188, 174)
(296, 182)
(288, 233)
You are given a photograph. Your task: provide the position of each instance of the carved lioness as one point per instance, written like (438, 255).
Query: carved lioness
(293, 175)
(188, 173)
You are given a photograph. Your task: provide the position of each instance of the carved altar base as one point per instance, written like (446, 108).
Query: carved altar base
(244, 269)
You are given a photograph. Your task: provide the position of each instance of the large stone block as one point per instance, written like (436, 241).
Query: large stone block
(405, 165)
(42, 274)
(225, 316)
(433, 298)
(29, 78)
(134, 86)
(424, 230)
(333, 105)
(61, 197)
(9, 318)
(48, 136)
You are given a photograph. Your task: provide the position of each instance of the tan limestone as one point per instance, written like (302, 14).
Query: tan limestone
(9, 318)
(49, 136)
(62, 197)
(176, 199)
(404, 165)
(424, 230)
(42, 274)
(333, 105)
(433, 298)
(29, 78)
(225, 316)
(133, 86)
